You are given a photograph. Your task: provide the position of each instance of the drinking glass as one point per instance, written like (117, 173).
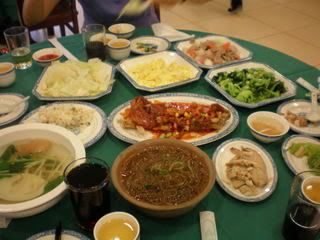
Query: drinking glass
(93, 38)
(18, 42)
(302, 219)
(87, 180)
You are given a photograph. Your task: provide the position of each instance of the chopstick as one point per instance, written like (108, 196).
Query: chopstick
(58, 231)
(54, 41)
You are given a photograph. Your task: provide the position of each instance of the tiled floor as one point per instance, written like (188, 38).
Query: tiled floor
(290, 26)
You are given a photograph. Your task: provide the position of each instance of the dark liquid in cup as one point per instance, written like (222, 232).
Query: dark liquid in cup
(96, 49)
(302, 222)
(89, 206)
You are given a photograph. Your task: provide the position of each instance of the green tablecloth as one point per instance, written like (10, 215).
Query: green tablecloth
(235, 219)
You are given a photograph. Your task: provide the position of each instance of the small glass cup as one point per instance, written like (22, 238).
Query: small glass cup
(87, 180)
(93, 37)
(18, 42)
(302, 220)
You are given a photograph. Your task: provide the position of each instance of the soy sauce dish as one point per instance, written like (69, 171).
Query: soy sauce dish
(267, 127)
(46, 56)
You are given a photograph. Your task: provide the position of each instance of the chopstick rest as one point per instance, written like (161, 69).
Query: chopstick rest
(208, 226)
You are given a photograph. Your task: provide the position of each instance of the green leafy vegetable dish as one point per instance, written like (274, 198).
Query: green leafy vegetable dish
(30, 168)
(250, 85)
(309, 150)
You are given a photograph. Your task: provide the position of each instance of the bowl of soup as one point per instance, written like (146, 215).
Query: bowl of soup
(163, 177)
(46, 56)
(7, 74)
(267, 127)
(119, 49)
(33, 157)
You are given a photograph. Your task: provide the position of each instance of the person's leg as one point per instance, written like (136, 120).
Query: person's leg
(235, 5)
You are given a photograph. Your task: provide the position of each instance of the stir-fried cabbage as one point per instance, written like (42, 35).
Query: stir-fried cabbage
(250, 85)
(75, 78)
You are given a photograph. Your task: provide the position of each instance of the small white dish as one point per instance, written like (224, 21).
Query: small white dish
(119, 49)
(169, 57)
(88, 134)
(223, 155)
(269, 119)
(290, 85)
(149, 44)
(7, 74)
(11, 99)
(296, 164)
(122, 30)
(65, 235)
(244, 53)
(300, 106)
(44, 57)
(134, 135)
(134, 224)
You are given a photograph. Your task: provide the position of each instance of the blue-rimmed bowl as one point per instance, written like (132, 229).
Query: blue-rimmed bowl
(7, 74)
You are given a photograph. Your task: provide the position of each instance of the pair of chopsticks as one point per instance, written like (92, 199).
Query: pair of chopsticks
(54, 41)
(58, 231)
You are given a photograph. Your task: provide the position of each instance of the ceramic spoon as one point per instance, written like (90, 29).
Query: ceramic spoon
(134, 7)
(7, 108)
(313, 115)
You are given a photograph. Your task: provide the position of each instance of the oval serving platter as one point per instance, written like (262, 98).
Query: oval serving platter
(12, 98)
(65, 235)
(134, 136)
(296, 164)
(88, 135)
(300, 106)
(223, 155)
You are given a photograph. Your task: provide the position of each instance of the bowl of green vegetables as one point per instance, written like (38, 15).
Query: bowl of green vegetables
(251, 84)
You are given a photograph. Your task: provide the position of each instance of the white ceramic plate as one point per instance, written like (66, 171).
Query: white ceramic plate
(300, 106)
(37, 94)
(223, 155)
(169, 57)
(296, 164)
(244, 53)
(89, 134)
(162, 44)
(12, 98)
(133, 136)
(290, 85)
(66, 235)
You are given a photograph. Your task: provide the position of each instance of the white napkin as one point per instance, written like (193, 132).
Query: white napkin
(168, 32)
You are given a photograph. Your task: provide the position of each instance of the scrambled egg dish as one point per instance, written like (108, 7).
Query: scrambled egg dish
(157, 73)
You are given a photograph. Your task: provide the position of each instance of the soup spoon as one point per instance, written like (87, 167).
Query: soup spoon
(7, 108)
(313, 115)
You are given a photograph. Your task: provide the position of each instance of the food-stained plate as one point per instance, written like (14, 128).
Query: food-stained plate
(300, 107)
(12, 98)
(223, 155)
(290, 85)
(109, 81)
(65, 235)
(149, 44)
(296, 164)
(133, 135)
(244, 54)
(85, 120)
(168, 57)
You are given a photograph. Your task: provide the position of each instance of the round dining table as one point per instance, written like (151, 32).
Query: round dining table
(234, 219)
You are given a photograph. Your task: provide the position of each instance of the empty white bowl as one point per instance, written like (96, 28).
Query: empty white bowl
(119, 48)
(55, 134)
(267, 127)
(122, 30)
(7, 74)
(46, 56)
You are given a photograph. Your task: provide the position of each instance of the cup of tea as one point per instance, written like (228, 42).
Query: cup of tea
(93, 38)
(302, 219)
(87, 180)
(18, 42)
